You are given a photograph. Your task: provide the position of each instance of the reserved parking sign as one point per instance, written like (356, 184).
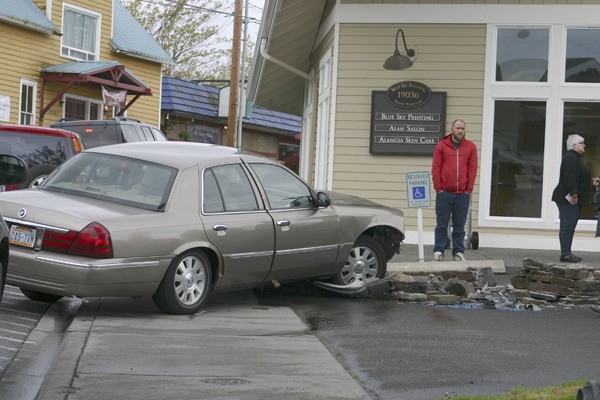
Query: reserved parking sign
(418, 189)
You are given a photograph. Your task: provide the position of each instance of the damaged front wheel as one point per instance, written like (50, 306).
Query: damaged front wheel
(366, 260)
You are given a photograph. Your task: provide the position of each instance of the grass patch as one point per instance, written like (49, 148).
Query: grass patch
(564, 391)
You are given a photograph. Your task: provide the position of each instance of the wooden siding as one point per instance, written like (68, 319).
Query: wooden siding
(449, 58)
(25, 52)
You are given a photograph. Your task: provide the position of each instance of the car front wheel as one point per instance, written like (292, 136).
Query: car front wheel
(186, 284)
(366, 260)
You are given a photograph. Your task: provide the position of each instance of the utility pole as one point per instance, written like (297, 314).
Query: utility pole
(235, 75)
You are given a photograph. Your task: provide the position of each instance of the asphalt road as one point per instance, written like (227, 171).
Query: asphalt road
(398, 350)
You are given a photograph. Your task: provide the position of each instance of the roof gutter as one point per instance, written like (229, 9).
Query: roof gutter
(30, 25)
(266, 56)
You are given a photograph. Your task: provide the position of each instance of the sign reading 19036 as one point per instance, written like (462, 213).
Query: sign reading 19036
(408, 94)
(408, 118)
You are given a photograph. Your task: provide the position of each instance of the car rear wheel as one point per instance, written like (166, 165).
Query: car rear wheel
(186, 284)
(41, 296)
(366, 260)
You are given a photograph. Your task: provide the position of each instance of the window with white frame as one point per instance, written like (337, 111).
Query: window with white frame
(82, 108)
(323, 110)
(81, 30)
(543, 85)
(27, 102)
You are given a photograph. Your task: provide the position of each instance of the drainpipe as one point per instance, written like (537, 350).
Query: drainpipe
(313, 81)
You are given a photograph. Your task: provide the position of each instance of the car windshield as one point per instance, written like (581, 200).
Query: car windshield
(115, 179)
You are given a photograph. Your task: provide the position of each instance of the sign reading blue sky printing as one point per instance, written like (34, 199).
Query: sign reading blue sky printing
(408, 125)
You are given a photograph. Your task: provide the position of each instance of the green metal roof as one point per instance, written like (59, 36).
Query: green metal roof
(25, 13)
(97, 71)
(131, 38)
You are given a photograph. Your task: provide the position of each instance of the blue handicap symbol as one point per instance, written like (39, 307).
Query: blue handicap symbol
(418, 192)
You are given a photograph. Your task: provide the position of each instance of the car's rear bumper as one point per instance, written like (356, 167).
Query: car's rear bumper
(84, 277)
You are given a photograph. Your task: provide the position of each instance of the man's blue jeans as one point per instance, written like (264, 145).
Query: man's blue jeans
(457, 206)
(569, 216)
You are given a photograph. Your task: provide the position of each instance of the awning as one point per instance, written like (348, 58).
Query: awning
(97, 73)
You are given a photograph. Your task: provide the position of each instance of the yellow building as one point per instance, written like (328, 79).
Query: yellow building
(88, 59)
(523, 74)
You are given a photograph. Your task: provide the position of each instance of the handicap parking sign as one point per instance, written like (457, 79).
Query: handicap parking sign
(418, 189)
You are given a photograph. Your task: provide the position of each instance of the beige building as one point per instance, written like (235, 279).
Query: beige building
(85, 59)
(522, 74)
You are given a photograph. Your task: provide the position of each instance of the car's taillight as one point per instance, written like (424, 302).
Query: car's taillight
(58, 242)
(8, 188)
(77, 145)
(93, 241)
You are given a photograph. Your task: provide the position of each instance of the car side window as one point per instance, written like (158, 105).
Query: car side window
(130, 133)
(147, 134)
(226, 188)
(283, 188)
(158, 135)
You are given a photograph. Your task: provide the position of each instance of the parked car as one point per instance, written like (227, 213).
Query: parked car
(42, 149)
(117, 130)
(179, 220)
(12, 172)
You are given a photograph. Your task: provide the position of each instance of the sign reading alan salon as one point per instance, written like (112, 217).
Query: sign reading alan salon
(408, 118)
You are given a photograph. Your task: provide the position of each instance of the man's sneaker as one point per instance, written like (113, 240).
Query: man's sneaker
(459, 257)
(570, 259)
(438, 256)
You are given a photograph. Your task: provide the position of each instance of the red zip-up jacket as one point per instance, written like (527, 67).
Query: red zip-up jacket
(454, 170)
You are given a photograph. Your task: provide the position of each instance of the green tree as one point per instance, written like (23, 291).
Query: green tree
(186, 29)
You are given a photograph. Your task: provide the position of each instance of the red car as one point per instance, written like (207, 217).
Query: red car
(42, 149)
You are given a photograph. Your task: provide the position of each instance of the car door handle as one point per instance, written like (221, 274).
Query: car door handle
(220, 229)
(283, 223)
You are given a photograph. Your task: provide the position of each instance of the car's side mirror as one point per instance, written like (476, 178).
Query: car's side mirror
(13, 170)
(323, 199)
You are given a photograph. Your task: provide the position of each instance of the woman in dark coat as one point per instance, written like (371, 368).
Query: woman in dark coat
(572, 192)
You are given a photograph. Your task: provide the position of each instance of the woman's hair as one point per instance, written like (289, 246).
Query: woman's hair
(572, 140)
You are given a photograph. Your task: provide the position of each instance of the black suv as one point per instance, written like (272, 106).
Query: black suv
(96, 133)
(42, 149)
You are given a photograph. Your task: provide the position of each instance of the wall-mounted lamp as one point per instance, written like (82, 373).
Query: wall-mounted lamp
(399, 61)
(167, 117)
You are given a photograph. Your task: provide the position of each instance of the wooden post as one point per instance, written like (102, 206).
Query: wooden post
(235, 75)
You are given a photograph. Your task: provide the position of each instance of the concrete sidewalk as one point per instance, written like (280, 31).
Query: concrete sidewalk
(120, 348)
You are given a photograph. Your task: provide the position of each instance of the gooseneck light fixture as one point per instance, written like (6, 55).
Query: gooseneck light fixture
(399, 61)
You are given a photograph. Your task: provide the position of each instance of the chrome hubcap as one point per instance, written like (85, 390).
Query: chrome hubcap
(190, 280)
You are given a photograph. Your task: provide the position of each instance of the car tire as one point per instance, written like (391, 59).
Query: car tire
(41, 296)
(186, 284)
(365, 260)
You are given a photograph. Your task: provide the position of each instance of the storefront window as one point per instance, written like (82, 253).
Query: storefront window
(583, 56)
(522, 55)
(582, 118)
(517, 160)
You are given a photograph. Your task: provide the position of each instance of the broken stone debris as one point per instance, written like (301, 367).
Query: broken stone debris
(537, 284)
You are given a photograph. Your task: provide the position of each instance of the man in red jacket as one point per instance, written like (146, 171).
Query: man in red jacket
(453, 170)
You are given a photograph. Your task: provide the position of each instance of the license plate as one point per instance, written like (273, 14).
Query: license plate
(22, 236)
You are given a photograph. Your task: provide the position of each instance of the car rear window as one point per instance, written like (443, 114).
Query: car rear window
(115, 179)
(94, 135)
(36, 149)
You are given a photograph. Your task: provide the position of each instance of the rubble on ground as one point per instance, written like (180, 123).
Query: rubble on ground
(538, 284)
